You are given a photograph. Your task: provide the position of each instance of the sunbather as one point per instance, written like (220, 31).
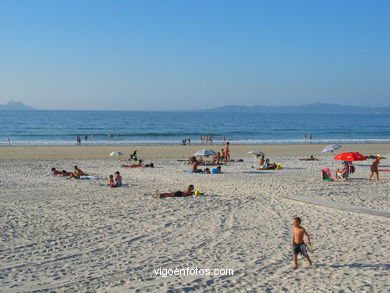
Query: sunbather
(194, 167)
(187, 192)
(309, 159)
(76, 173)
(139, 164)
(55, 172)
(217, 170)
(65, 173)
(118, 179)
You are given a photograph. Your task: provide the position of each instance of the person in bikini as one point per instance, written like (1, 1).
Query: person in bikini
(187, 192)
(297, 243)
(227, 153)
(374, 168)
(55, 172)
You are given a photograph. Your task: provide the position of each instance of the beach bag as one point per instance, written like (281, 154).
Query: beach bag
(351, 169)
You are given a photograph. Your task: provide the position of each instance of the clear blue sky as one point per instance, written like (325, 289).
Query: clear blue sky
(174, 55)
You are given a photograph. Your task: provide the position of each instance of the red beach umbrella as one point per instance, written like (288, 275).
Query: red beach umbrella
(350, 157)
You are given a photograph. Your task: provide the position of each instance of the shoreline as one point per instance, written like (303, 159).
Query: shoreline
(176, 151)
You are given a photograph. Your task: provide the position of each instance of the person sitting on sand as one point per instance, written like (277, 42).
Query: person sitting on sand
(76, 173)
(194, 167)
(374, 168)
(110, 181)
(343, 173)
(187, 192)
(54, 172)
(118, 179)
(267, 166)
(133, 156)
(261, 161)
(309, 159)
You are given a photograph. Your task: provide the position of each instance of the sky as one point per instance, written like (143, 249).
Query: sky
(193, 54)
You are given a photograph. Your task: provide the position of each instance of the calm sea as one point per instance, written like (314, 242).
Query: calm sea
(127, 128)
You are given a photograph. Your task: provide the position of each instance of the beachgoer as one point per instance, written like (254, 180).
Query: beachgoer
(65, 173)
(139, 164)
(311, 158)
(118, 179)
(76, 173)
(227, 153)
(53, 171)
(187, 192)
(343, 173)
(110, 181)
(261, 161)
(297, 243)
(374, 168)
(217, 170)
(207, 171)
(133, 156)
(194, 167)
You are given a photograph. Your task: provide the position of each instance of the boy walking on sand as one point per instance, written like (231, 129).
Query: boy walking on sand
(298, 245)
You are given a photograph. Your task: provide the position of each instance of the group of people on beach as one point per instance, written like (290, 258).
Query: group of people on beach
(115, 181)
(76, 173)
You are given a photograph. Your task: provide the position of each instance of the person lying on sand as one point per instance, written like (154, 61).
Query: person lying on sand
(65, 173)
(309, 159)
(76, 173)
(139, 164)
(217, 170)
(297, 243)
(187, 192)
(54, 172)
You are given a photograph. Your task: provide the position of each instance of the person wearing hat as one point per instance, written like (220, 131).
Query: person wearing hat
(374, 168)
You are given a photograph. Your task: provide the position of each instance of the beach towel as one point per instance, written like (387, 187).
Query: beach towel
(136, 167)
(88, 178)
(326, 175)
(194, 172)
(384, 170)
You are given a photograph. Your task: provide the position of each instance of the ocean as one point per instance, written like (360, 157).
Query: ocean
(151, 128)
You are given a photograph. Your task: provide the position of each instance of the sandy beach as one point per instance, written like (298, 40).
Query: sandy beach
(79, 236)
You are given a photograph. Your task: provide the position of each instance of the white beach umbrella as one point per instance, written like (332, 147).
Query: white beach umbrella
(331, 148)
(116, 154)
(205, 152)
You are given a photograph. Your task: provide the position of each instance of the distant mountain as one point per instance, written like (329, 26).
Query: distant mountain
(309, 108)
(12, 105)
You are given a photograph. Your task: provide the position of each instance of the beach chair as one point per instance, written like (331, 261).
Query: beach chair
(326, 175)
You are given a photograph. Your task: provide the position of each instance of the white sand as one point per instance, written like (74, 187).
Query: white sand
(70, 235)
